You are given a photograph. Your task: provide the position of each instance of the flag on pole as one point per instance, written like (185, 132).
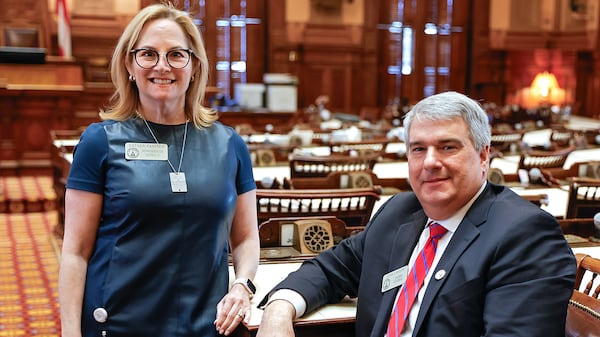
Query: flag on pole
(64, 29)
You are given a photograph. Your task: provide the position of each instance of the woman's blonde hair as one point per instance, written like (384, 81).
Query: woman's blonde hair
(125, 102)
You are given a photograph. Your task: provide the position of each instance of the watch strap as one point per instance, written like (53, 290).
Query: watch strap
(247, 284)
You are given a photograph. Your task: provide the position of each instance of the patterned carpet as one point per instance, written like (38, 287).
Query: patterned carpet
(26, 194)
(28, 265)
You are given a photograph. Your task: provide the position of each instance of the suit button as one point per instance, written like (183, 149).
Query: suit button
(100, 315)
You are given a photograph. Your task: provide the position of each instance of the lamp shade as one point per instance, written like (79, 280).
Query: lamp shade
(544, 83)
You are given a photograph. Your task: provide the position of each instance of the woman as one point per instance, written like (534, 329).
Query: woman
(158, 194)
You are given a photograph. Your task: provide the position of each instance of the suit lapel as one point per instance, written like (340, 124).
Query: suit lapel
(465, 234)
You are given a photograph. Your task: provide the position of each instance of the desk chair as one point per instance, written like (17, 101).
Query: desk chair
(583, 313)
(544, 159)
(582, 227)
(561, 137)
(584, 198)
(592, 138)
(321, 166)
(589, 169)
(354, 205)
(502, 141)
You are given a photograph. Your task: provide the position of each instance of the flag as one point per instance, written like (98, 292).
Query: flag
(64, 29)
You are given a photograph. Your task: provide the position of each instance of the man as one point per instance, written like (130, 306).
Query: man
(501, 265)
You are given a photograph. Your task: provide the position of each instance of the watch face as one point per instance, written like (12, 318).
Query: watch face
(251, 286)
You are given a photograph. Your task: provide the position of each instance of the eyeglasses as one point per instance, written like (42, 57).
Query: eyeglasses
(148, 58)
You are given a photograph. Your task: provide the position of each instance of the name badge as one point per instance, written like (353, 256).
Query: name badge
(394, 279)
(146, 151)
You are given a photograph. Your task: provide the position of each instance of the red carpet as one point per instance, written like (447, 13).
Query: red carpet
(28, 275)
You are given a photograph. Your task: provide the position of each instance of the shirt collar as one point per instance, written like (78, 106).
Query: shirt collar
(451, 223)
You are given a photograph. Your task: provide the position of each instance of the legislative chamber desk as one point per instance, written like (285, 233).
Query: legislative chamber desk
(331, 320)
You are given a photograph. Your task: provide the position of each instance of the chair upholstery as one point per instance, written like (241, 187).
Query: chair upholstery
(583, 313)
(354, 206)
(584, 198)
(321, 166)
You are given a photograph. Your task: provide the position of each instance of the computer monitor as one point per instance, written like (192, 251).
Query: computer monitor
(22, 55)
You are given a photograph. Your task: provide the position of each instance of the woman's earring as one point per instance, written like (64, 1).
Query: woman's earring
(193, 78)
(131, 78)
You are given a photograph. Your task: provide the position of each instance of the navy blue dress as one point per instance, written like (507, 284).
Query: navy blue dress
(160, 264)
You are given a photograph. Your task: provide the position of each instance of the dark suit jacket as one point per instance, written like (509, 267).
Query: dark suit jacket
(509, 270)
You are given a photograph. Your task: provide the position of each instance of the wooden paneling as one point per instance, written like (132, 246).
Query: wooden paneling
(336, 60)
(27, 14)
(35, 99)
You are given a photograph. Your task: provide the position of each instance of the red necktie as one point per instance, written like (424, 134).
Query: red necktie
(414, 281)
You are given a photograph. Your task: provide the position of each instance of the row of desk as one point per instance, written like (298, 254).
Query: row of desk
(557, 196)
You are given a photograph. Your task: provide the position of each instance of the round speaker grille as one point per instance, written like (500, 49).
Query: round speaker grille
(317, 238)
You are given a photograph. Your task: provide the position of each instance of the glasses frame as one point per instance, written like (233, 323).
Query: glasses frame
(135, 51)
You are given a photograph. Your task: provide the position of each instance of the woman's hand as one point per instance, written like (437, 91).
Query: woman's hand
(233, 308)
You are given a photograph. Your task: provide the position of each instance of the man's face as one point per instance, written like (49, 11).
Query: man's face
(445, 169)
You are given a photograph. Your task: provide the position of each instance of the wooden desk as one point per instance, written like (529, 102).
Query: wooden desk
(509, 164)
(259, 119)
(330, 320)
(36, 99)
(392, 169)
(557, 198)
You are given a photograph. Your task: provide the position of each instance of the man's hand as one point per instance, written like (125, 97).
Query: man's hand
(277, 320)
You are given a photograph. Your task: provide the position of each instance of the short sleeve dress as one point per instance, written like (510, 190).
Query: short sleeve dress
(160, 264)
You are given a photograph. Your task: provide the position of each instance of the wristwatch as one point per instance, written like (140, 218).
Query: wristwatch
(248, 285)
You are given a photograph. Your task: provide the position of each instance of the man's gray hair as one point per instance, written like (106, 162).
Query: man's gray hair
(450, 105)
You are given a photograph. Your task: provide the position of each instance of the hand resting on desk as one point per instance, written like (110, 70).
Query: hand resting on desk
(277, 320)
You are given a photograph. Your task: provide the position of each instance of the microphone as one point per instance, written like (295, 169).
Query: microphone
(537, 177)
(266, 182)
(597, 227)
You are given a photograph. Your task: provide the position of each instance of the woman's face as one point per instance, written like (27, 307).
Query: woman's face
(162, 86)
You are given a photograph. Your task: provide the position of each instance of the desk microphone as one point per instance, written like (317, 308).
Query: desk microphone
(537, 177)
(597, 226)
